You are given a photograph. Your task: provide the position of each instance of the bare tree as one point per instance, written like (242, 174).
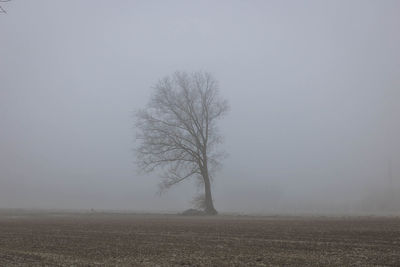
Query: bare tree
(177, 131)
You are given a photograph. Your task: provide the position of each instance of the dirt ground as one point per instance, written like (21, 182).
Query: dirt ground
(91, 239)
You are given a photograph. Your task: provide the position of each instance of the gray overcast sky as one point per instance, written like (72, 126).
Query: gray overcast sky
(313, 87)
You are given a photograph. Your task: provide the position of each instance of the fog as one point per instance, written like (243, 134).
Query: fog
(313, 88)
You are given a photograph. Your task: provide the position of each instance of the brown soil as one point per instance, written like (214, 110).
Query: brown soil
(65, 239)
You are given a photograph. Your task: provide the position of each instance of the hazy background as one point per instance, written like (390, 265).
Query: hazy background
(314, 89)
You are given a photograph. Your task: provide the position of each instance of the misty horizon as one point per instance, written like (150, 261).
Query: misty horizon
(313, 89)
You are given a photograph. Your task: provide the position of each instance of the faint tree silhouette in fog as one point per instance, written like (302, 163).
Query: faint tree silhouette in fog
(177, 131)
(2, 10)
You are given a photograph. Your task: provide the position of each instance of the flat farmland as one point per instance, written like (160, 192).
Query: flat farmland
(107, 239)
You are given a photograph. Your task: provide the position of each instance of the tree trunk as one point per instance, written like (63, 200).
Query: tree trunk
(209, 205)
